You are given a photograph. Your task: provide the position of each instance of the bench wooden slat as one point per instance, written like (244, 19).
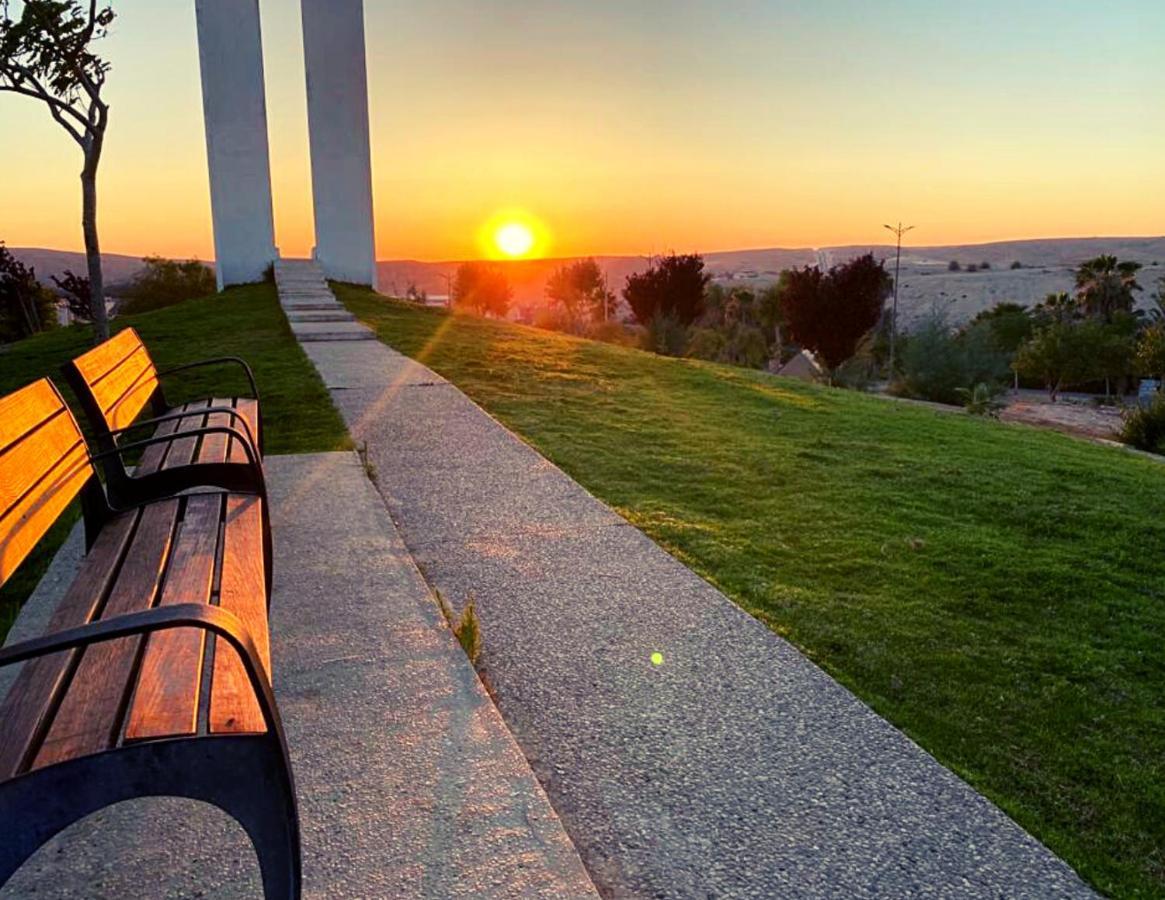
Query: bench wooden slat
(120, 376)
(154, 455)
(182, 449)
(114, 391)
(25, 409)
(233, 708)
(166, 700)
(214, 446)
(89, 717)
(26, 522)
(128, 404)
(29, 703)
(96, 364)
(249, 408)
(25, 463)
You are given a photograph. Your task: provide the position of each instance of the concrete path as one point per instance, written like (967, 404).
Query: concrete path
(736, 768)
(410, 784)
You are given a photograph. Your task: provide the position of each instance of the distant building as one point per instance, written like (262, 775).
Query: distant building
(804, 366)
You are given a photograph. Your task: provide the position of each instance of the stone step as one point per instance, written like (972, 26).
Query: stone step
(325, 337)
(311, 306)
(331, 331)
(319, 315)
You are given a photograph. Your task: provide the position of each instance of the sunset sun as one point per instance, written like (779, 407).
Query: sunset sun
(514, 239)
(513, 233)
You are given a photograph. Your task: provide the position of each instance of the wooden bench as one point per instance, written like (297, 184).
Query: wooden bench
(152, 678)
(117, 380)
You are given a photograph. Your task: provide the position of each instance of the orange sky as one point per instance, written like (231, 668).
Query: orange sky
(716, 126)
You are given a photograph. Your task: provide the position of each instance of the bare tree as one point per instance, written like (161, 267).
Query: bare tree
(47, 54)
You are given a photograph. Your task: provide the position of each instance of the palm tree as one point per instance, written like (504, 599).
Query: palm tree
(1105, 286)
(1058, 309)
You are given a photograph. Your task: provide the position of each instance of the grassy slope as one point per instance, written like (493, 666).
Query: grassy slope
(297, 413)
(997, 592)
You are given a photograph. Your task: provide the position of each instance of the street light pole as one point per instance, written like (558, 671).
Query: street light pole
(898, 230)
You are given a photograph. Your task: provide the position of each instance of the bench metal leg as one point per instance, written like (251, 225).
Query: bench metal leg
(246, 776)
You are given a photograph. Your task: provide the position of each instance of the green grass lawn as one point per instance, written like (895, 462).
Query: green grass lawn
(996, 591)
(298, 416)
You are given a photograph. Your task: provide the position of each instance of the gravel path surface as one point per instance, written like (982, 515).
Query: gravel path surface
(726, 766)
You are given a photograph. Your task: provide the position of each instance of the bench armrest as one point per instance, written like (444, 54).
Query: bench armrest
(217, 361)
(219, 621)
(168, 482)
(235, 415)
(252, 459)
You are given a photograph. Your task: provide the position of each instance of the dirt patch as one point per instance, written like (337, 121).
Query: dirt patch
(1080, 418)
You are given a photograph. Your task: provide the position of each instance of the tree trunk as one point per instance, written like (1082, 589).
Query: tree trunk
(92, 244)
(28, 312)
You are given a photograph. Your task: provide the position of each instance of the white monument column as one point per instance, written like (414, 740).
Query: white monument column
(230, 53)
(341, 158)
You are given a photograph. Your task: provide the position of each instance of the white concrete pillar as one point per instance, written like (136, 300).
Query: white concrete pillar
(341, 158)
(230, 53)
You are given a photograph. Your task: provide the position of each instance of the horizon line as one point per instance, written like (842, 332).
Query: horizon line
(647, 256)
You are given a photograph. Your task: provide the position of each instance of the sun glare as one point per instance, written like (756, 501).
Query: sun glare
(513, 233)
(514, 239)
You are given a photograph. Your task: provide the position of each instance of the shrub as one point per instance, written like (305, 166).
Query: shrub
(746, 346)
(954, 266)
(706, 343)
(666, 335)
(613, 333)
(26, 306)
(983, 399)
(1144, 427)
(483, 288)
(1016, 265)
(936, 362)
(1151, 350)
(167, 282)
(553, 318)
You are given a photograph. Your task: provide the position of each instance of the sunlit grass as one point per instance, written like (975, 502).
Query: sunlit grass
(997, 592)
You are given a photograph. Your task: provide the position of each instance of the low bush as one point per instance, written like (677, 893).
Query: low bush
(166, 282)
(937, 362)
(983, 399)
(613, 333)
(706, 343)
(666, 335)
(1144, 426)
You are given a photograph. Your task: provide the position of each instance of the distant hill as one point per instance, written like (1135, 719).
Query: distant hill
(927, 283)
(47, 263)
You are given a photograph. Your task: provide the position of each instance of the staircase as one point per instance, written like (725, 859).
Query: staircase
(311, 307)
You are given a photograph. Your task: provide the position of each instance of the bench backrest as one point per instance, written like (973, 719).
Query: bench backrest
(44, 464)
(114, 381)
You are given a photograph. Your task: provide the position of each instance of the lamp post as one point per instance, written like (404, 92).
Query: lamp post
(898, 230)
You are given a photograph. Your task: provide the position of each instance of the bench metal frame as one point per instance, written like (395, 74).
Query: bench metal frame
(248, 776)
(125, 489)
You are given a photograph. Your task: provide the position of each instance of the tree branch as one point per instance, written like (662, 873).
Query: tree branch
(55, 108)
(40, 91)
